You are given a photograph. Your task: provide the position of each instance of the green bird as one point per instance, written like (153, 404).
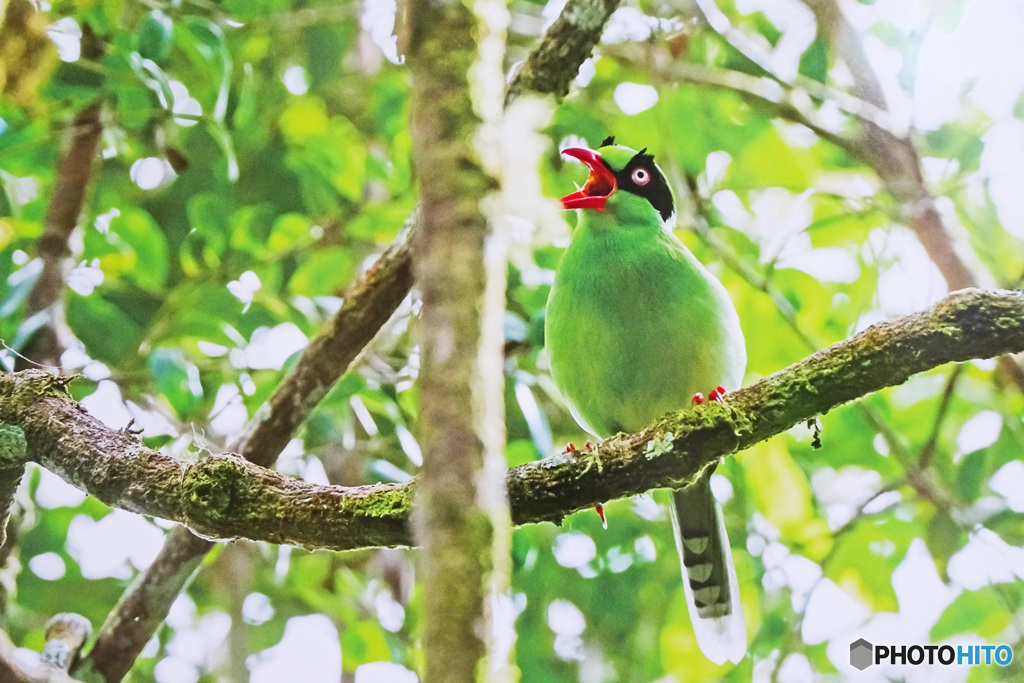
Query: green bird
(637, 327)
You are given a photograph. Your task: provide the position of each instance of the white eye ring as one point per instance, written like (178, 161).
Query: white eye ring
(641, 176)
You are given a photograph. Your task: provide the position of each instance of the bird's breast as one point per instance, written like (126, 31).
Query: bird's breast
(631, 339)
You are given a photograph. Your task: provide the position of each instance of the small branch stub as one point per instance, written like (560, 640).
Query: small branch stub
(65, 635)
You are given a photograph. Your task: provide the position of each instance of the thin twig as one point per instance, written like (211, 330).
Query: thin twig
(799, 86)
(928, 450)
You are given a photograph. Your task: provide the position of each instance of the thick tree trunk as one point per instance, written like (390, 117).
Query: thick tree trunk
(460, 509)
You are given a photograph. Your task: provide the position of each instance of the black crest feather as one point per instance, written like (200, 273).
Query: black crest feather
(610, 140)
(642, 158)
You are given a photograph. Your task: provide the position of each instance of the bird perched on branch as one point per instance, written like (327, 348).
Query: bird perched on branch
(637, 327)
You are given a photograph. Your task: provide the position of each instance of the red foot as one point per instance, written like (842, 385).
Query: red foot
(717, 394)
(570, 449)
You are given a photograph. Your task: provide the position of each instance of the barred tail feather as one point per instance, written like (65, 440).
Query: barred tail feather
(709, 576)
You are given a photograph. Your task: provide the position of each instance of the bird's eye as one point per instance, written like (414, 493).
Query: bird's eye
(641, 176)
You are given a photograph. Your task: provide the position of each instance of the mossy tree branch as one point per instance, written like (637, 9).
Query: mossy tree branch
(225, 496)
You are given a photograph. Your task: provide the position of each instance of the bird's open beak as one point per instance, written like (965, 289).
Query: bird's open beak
(600, 185)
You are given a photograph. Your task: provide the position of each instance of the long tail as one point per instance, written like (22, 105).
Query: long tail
(709, 577)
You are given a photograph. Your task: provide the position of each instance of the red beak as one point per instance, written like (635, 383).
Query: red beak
(600, 185)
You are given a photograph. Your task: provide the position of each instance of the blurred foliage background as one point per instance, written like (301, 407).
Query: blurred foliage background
(255, 159)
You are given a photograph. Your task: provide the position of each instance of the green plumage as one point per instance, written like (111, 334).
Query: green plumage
(635, 326)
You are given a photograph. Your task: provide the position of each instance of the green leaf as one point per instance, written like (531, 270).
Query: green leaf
(322, 272)
(977, 612)
(944, 538)
(768, 161)
(156, 36)
(536, 420)
(865, 556)
(715, 121)
(304, 121)
(521, 451)
(18, 288)
(362, 642)
(955, 140)
(212, 44)
(75, 84)
(213, 321)
(204, 246)
(95, 320)
(246, 109)
(379, 222)
(783, 495)
(176, 379)
(222, 136)
(971, 474)
(154, 77)
(137, 230)
(289, 231)
(814, 62)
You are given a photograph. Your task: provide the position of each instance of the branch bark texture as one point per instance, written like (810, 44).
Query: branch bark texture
(13, 448)
(224, 496)
(554, 63)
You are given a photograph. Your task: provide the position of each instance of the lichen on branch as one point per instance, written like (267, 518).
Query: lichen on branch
(227, 497)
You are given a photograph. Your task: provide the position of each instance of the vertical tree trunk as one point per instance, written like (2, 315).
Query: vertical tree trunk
(459, 266)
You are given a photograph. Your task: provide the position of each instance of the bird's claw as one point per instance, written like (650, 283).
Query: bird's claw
(590, 453)
(592, 458)
(716, 394)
